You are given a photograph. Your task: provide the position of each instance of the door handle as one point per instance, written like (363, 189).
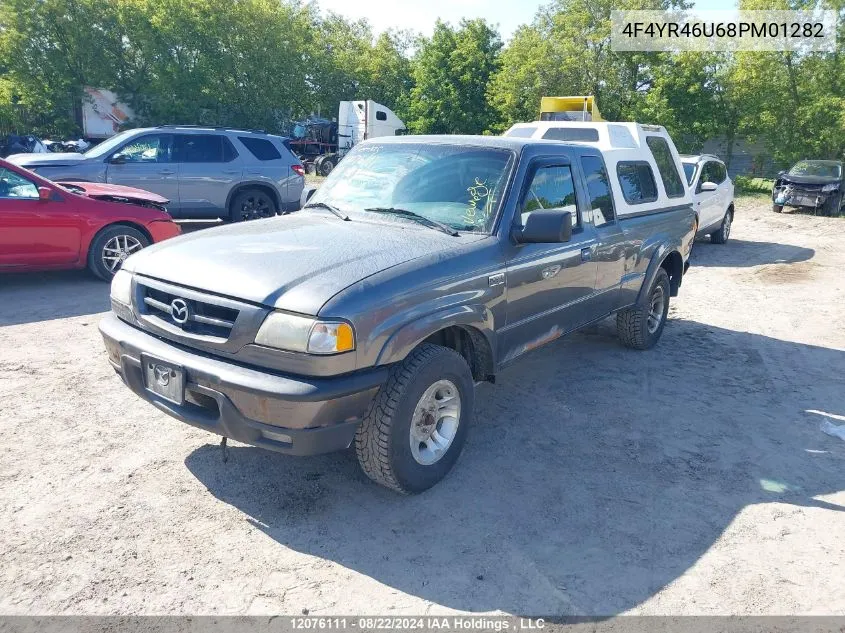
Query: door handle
(230, 172)
(586, 254)
(166, 172)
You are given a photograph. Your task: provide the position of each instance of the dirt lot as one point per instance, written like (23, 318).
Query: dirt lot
(689, 479)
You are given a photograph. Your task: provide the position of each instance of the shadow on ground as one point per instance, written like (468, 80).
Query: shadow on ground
(33, 297)
(594, 475)
(746, 253)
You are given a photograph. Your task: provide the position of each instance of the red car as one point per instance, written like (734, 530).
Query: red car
(46, 225)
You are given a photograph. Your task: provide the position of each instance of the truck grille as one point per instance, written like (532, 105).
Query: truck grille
(191, 315)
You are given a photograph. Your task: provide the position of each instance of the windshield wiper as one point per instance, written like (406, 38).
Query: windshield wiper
(325, 205)
(434, 224)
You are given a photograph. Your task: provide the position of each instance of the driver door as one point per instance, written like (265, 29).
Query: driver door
(549, 285)
(35, 232)
(146, 162)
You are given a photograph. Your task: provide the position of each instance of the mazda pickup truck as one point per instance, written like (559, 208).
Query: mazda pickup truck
(420, 268)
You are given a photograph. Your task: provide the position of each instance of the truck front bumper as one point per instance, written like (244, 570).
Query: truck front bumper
(290, 414)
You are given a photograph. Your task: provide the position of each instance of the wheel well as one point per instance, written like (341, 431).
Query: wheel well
(731, 208)
(274, 195)
(132, 225)
(470, 343)
(673, 264)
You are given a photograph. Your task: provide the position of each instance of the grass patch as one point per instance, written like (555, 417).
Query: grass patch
(746, 185)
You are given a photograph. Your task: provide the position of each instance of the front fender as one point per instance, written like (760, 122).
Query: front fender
(407, 337)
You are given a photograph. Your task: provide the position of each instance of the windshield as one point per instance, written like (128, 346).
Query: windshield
(108, 145)
(457, 185)
(820, 168)
(689, 172)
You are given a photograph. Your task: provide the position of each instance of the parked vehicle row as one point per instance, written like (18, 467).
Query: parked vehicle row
(204, 172)
(421, 266)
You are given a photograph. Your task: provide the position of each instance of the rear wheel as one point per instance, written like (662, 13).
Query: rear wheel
(111, 247)
(416, 426)
(325, 166)
(640, 327)
(251, 204)
(721, 236)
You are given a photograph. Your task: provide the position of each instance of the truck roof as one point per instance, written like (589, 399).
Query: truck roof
(501, 142)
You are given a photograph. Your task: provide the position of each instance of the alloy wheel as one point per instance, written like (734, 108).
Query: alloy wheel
(117, 249)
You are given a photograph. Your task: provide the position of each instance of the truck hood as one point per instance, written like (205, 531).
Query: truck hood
(48, 159)
(295, 262)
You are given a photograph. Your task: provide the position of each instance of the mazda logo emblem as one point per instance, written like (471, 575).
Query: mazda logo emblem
(179, 311)
(162, 375)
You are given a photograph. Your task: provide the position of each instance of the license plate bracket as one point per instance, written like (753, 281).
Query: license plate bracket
(164, 379)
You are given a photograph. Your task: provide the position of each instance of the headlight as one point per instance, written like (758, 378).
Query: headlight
(121, 287)
(301, 334)
(829, 188)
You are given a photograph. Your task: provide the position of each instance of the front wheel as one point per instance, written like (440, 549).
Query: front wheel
(640, 327)
(777, 208)
(111, 247)
(721, 236)
(416, 426)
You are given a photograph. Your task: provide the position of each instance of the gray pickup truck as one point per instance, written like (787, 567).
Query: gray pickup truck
(422, 266)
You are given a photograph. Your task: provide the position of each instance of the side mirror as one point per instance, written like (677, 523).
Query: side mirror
(708, 186)
(117, 159)
(45, 194)
(545, 227)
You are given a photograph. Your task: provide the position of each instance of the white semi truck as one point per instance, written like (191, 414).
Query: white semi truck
(323, 143)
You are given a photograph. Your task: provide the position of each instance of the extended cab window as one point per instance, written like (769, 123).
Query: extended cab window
(203, 148)
(637, 181)
(598, 187)
(261, 148)
(550, 188)
(672, 182)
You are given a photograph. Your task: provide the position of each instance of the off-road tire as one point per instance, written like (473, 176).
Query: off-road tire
(721, 235)
(95, 251)
(632, 323)
(382, 441)
(777, 208)
(260, 205)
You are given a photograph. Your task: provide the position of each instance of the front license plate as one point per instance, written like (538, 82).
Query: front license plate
(164, 379)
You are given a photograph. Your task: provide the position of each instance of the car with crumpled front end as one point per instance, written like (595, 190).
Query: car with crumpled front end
(811, 184)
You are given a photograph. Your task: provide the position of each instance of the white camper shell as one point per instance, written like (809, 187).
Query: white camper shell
(637, 156)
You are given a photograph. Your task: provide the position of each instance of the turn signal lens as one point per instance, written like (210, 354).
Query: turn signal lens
(331, 338)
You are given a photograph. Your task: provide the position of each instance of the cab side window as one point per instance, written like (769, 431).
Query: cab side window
(598, 188)
(15, 186)
(551, 187)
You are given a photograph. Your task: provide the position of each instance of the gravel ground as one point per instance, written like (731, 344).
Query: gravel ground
(689, 479)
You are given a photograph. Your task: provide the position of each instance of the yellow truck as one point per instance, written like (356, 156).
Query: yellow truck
(569, 109)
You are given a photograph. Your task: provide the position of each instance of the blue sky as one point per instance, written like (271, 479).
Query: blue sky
(420, 15)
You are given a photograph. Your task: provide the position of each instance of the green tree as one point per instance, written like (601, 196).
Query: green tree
(451, 74)
(566, 51)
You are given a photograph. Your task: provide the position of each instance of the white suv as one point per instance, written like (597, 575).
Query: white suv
(713, 195)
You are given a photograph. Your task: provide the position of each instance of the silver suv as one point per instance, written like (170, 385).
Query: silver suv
(204, 172)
